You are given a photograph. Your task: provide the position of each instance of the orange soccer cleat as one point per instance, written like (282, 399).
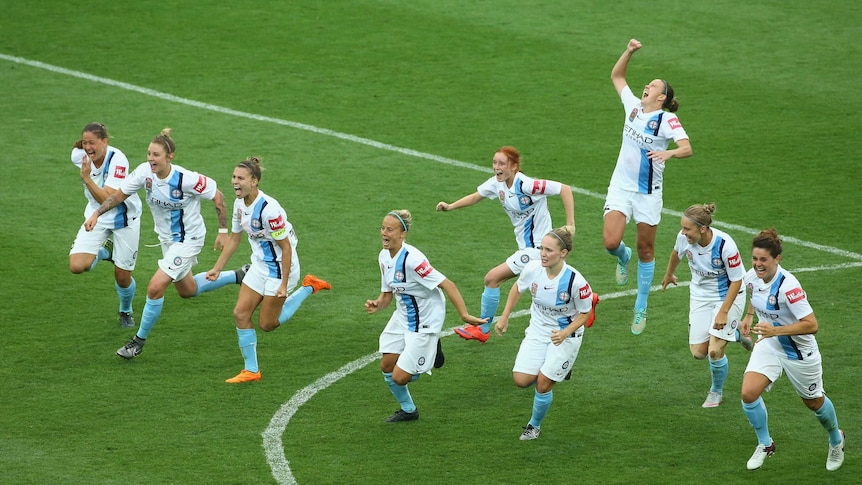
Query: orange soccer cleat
(244, 376)
(315, 283)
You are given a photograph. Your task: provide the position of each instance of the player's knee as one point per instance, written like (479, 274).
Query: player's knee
(76, 268)
(268, 325)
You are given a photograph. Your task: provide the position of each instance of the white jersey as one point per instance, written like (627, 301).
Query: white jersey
(556, 302)
(713, 267)
(421, 306)
(526, 204)
(781, 301)
(265, 222)
(175, 201)
(642, 133)
(111, 174)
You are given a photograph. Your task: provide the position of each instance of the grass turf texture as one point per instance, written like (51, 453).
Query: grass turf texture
(766, 96)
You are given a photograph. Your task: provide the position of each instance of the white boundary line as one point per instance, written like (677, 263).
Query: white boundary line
(272, 443)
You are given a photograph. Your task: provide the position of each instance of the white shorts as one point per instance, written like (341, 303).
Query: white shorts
(257, 278)
(178, 258)
(520, 258)
(540, 354)
(416, 351)
(644, 208)
(701, 318)
(806, 375)
(126, 242)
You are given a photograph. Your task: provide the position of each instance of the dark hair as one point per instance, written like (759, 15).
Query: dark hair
(97, 129)
(164, 139)
(701, 214)
(670, 103)
(252, 164)
(768, 240)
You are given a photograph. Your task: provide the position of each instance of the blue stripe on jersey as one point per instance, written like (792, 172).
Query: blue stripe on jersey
(178, 226)
(408, 300)
(645, 175)
(564, 296)
(790, 349)
(524, 202)
(270, 256)
(717, 263)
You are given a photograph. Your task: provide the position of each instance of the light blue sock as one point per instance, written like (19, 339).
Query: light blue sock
(490, 302)
(126, 296)
(402, 395)
(718, 369)
(103, 253)
(620, 252)
(293, 302)
(829, 421)
(247, 338)
(205, 285)
(645, 275)
(541, 403)
(151, 313)
(759, 420)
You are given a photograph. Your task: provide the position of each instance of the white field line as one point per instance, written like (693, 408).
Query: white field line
(272, 435)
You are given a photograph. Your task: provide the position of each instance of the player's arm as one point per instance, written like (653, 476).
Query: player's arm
(230, 247)
(727, 304)
(618, 73)
(669, 275)
(113, 200)
(465, 201)
(221, 214)
(382, 301)
(568, 205)
(502, 324)
(457, 300)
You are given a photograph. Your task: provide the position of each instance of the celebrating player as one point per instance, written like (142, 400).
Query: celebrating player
(117, 232)
(786, 344)
(635, 188)
(173, 194)
(274, 270)
(716, 297)
(410, 343)
(525, 201)
(562, 302)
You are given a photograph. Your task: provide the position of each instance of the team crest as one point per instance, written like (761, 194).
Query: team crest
(399, 276)
(255, 224)
(502, 196)
(533, 288)
(524, 200)
(563, 296)
(525, 258)
(176, 193)
(566, 365)
(772, 300)
(178, 261)
(716, 263)
(633, 114)
(148, 184)
(652, 125)
(421, 361)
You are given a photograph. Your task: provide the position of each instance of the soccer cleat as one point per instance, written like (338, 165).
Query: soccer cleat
(836, 455)
(402, 415)
(713, 399)
(440, 359)
(530, 433)
(623, 269)
(240, 273)
(473, 332)
(127, 320)
(244, 376)
(315, 283)
(639, 322)
(746, 342)
(759, 456)
(109, 245)
(133, 348)
(592, 318)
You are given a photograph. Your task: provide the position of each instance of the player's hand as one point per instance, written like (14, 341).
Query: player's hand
(212, 274)
(86, 166)
(281, 292)
(501, 326)
(219, 241)
(90, 223)
(371, 306)
(634, 45)
(668, 280)
(471, 320)
(763, 329)
(442, 206)
(558, 337)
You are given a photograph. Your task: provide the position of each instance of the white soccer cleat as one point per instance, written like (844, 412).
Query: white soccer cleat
(836, 455)
(622, 272)
(759, 456)
(713, 399)
(639, 322)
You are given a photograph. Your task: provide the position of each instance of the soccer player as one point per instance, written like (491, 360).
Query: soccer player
(117, 232)
(410, 342)
(173, 194)
(562, 302)
(785, 344)
(716, 296)
(636, 184)
(525, 201)
(274, 270)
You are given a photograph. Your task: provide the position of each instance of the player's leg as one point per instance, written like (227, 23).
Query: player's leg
(125, 256)
(247, 301)
(762, 370)
(617, 212)
(491, 296)
(88, 249)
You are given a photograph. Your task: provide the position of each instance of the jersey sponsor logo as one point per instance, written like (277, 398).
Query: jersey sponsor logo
(539, 186)
(795, 295)
(734, 261)
(424, 269)
(276, 224)
(674, 123)
(640, 138)
(120, 172)
(201, 184)
(633, 114)
(585, 292)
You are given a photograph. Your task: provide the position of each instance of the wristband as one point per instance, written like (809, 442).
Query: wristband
(222, 230)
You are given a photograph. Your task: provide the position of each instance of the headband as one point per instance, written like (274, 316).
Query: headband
(565, 246)
(393, 213)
